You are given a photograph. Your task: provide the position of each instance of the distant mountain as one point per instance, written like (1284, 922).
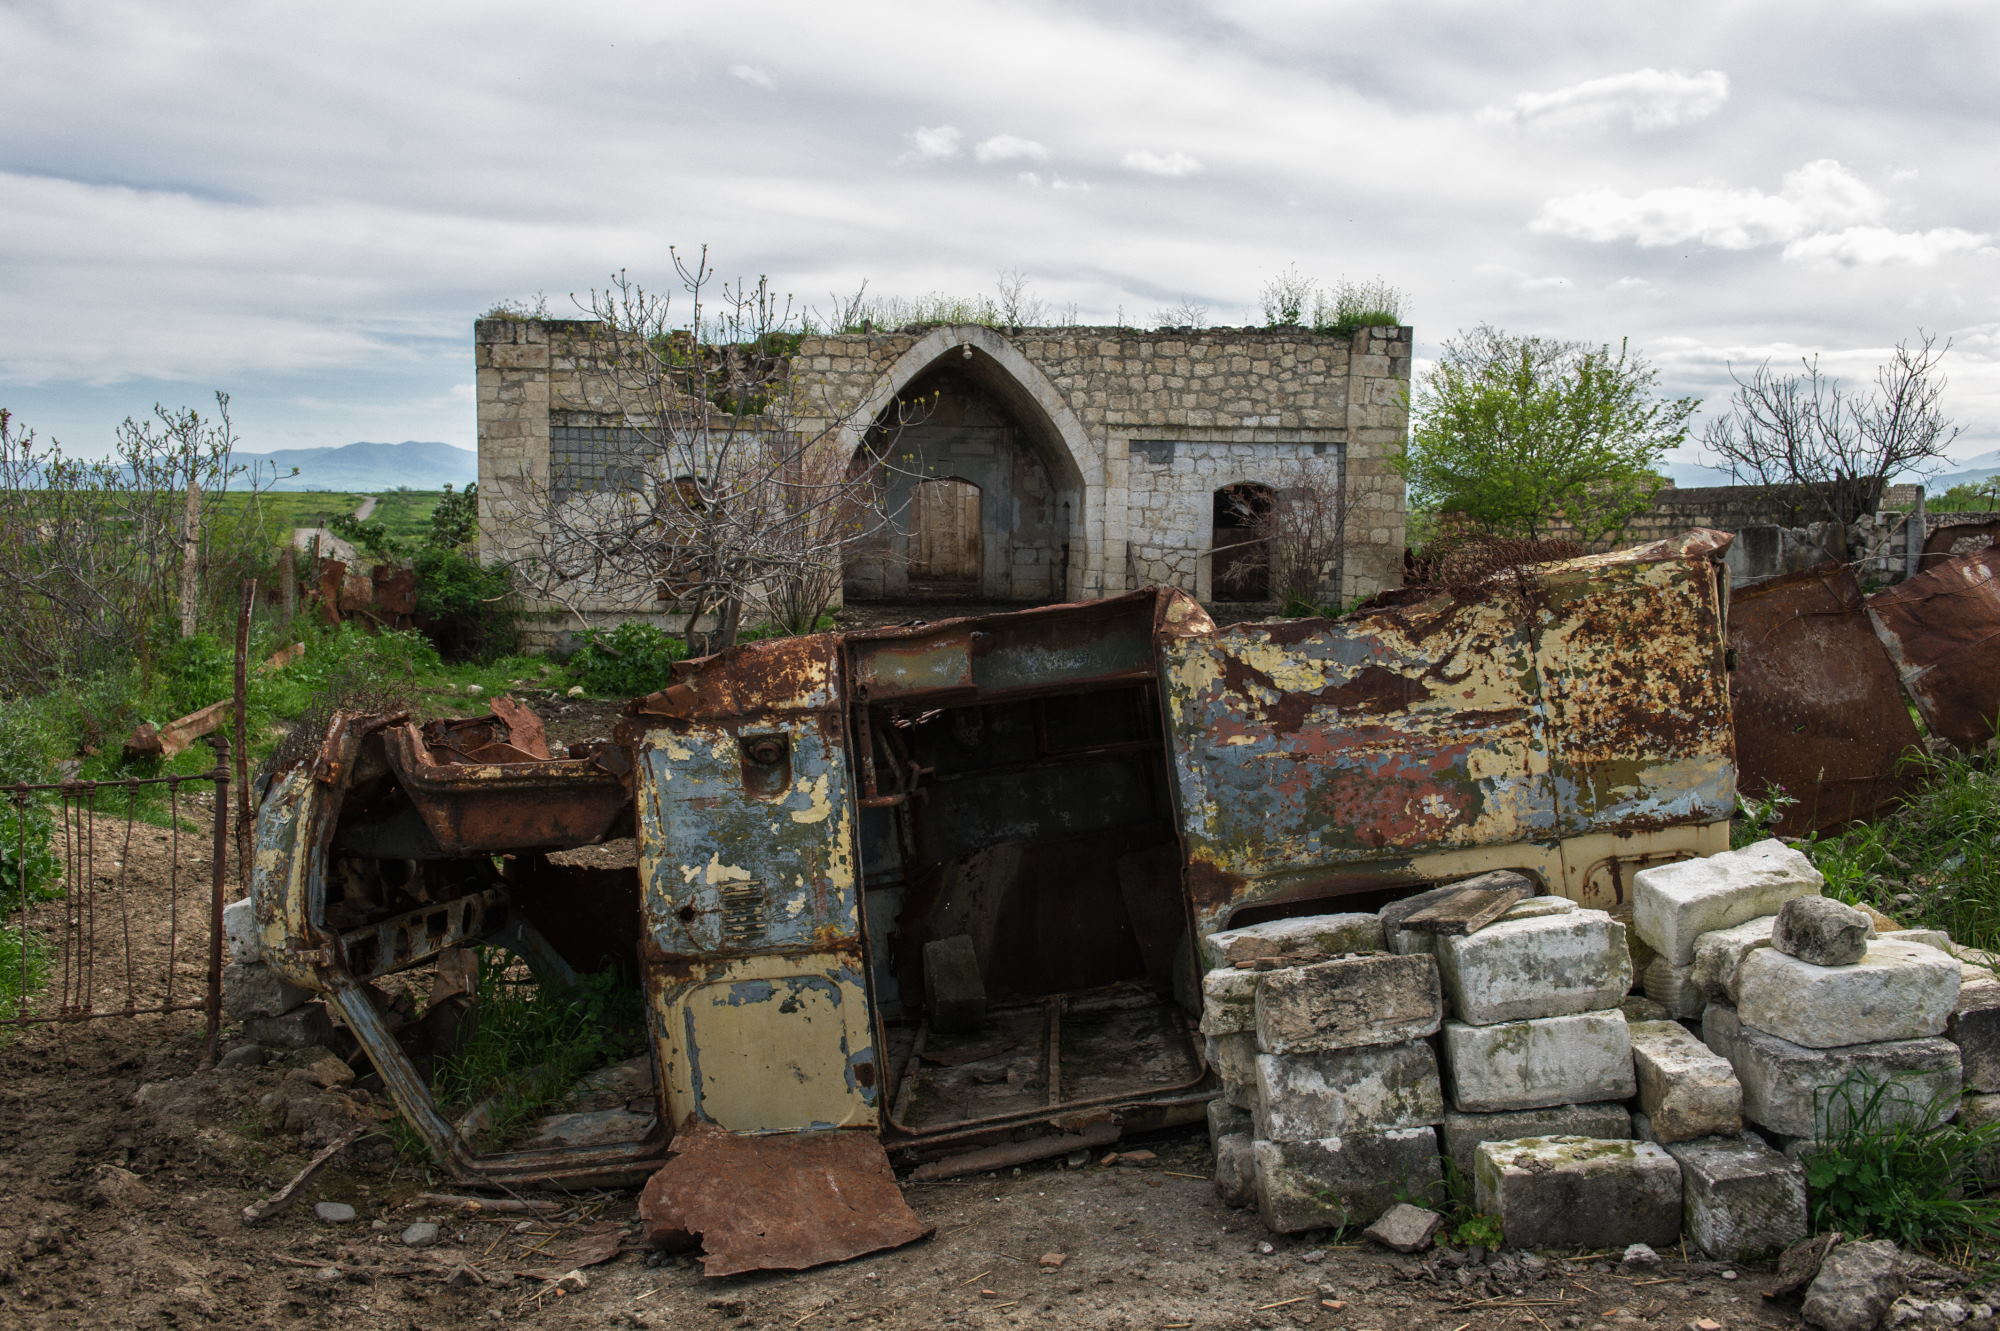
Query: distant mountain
(412, 464)
(1693, 476)
(1965, 472)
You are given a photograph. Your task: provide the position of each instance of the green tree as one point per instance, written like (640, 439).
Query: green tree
(1522, 435)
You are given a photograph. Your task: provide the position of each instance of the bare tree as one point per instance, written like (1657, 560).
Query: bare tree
(740, 494)
(1837, 448)
(1296, 544)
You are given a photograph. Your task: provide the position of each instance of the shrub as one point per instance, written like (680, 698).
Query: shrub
(633, 659)
(464, 605)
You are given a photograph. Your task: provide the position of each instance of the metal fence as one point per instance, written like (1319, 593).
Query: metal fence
(111, 896)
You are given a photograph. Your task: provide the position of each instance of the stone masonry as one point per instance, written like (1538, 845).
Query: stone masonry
(1135, 431)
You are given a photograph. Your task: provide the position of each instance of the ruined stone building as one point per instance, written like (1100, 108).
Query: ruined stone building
(1053, 463)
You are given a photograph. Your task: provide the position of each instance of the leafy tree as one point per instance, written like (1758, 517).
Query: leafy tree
(1521, 436)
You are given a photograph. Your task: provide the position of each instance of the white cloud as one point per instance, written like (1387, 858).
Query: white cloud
(931, 143)
(1871, 246)
(1161, 164)
(751, 74)
(1819, 196)
(1029, 178)
(1646, 99)
(1064, 183)
(1008, 148)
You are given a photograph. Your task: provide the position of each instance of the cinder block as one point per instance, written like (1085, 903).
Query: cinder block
(1307, 1097)
(1228, 1001)
(1576, 1059)
(1742, 1200)
(1718, 952)
(1233, 1058)
(1686, 1089)
(1542, 965)
(1674, 904)
(1464, 1132)
(1579, 1192)
(1346, 1003)
(1235, 1170)
(1897, 991)
(1974, 1026)
(1344, 1180)
(1306, 937)
(1789, 1089)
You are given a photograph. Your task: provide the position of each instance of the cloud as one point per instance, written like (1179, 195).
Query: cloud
(1646, 99)
(1161, 164)
(1008, 148)
(1819, 196)
(1034, 180)
(931, 143)
(1872, 246)
(751, 74)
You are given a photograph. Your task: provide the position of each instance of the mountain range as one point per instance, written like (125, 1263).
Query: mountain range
(412, 464)
(1964, 471)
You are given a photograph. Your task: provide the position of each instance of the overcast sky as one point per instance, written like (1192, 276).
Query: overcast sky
(307, 205)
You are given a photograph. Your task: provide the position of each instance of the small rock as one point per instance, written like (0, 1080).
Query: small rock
(1135, 1157)
(118, 1188)
(1822, 931)
(1641, 1257)
(1313, 1256)
(421, 1235)
(573, 1282)
(1052, 1260)
(379, 1226)
(1704, 1324)
(1266, 1248)
(1855, 1286)
(1729, 1275)
(326, 1070)
(245, 1056)
(1405, 1228)
(574, 691)
(334, 1213)
(474, 689)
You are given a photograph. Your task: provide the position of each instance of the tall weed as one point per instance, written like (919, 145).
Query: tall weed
(1895, 1167)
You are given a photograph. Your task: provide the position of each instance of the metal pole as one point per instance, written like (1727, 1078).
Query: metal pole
(218, 875)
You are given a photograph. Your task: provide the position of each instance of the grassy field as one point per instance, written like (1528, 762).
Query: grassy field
(406, 513)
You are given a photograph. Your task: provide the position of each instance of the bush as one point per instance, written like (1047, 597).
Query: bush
(29, 869)
(1916, 1182)
(626, 662)
(463, 604)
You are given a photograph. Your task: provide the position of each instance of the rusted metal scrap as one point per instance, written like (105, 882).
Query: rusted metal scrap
(1819, 711)
(777, 1203)
(1942, 629)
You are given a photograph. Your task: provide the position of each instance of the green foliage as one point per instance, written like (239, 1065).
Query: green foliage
(1287, 298)
(23, 970)
(626, 662)
(1466, 1227)
(1517, 436)
(1898, 1170)
(1352, 306)
(823, 624)
(531, 1041)
(1975, 497)
(465, 605)
(454, 522)
(1756, 818)
(1933, 860)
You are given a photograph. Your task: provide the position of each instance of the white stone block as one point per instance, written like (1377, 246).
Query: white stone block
(1936, 938)
(251, 989)
(1795, 1091)
(1674, 904)
(1974, 1027)
(239, 933)
(1228, 1001)
(1307, 936)
(1346, 1003)
(1535, 907)
(1344, 1180)
(1234, 1061)
(1576, 1059)
(1305, 1097)
(1897, 991)
(1674, 988)
(1718, 952)
(1579, 1192)
(1462, 1133)
(1226, 1120)
(1742, 1200)
(1235, 1170)
(1686, 1089)
(1544, 965)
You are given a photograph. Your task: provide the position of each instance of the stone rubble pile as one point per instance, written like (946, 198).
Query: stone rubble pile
(1359, 1060)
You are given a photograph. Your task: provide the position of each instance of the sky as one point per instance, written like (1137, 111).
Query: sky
(306, 206)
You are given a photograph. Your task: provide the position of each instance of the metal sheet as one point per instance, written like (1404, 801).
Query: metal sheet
(1819, 713)
(781, 1203)
(1942, 629)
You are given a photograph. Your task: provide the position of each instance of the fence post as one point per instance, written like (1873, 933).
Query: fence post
(243, 811)
(219, 872)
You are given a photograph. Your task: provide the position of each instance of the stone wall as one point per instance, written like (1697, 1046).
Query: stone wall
(1136, 430)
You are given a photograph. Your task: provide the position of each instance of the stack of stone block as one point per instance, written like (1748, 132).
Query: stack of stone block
(1331, 1095)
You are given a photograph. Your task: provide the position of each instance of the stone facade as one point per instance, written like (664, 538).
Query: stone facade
(1097, 452)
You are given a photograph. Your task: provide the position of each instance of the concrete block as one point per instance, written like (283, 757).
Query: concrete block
(1462, 1132)
(1305, 937)
(1897, 991)
(1576, 1059)
(1228, 1001)
(1974, 1026)
(1719, 952)
(1674, 904)
(1741, 1199)
(252, 989)
(1685, 1089)
(1579, 1192)
(239, 933)
(1348, 1002)
(1344, 1180)
(1673, 988)
(1226, 1120)
(1234, 1061)
(1235, 1170)
(1406, 942)
(1822, 931)
(1789, 1089)
(1637, 1007)
(304, 1027)
(1305, 1097)
(1544, 965)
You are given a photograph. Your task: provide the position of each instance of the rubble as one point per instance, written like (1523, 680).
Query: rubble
(1674, 904)
(1896, 991)
(1347, 1002)
(1578, 1192)
(1821, 931)
(1742, 1199)
(1855, 1286)
(1685, 1089)
(1974, 1026)
(1544, 1061)
(1405, 1228)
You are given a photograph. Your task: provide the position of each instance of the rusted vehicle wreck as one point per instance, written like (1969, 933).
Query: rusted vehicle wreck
(943, 884)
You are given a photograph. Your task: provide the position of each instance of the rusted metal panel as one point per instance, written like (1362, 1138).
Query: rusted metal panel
(778, 1203)
(497, 798)
(1942, 629)
(1819, 712)
(1960, 538)
(1552, 701)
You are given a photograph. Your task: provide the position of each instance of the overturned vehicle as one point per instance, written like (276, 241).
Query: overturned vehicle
(943, 885)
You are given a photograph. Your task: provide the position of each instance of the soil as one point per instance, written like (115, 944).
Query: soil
(124, 1169)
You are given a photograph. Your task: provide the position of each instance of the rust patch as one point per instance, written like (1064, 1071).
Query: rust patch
(1941, 628)
(484, 799)
(777, 1203)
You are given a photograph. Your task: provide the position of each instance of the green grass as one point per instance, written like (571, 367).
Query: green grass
(406, 514)
(1898, 1169)
(23, 969)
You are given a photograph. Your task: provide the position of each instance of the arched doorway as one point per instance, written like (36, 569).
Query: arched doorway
(945, 538)
(1240, 539)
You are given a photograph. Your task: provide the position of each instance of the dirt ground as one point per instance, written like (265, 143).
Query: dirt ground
(124, 1169)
